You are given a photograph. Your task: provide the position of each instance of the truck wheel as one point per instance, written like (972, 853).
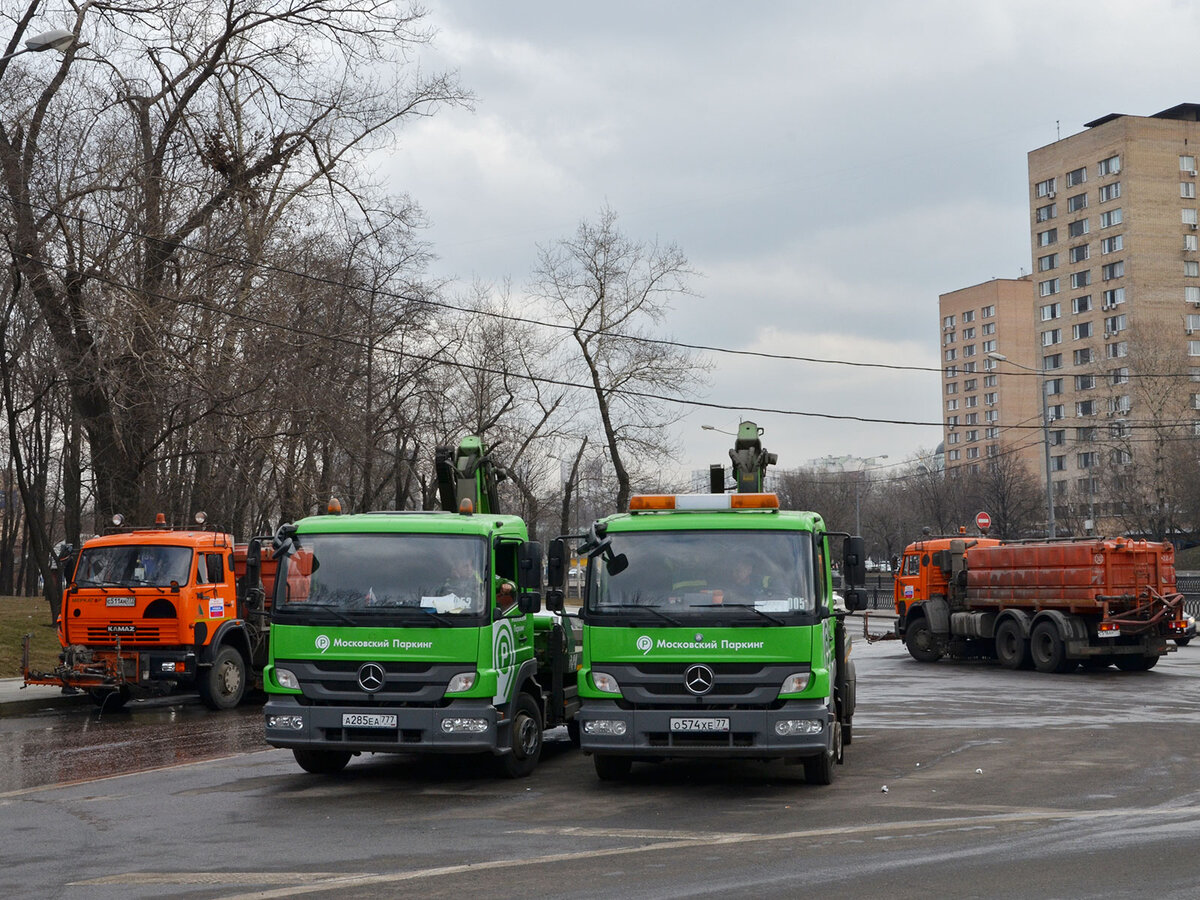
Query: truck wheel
(612, 768)
(1136, 663)
(922, 645)
(820, 769)
(321, 762)
(1047, 649)
(1011, 648)
(526, 739)
(1182, 642)
(573, 732)
(224, 682)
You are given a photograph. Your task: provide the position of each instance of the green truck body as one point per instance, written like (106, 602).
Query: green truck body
(714, 635)
(399, 632)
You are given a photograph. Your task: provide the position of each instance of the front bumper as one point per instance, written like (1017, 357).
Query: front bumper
(418, 729)
(752, 732)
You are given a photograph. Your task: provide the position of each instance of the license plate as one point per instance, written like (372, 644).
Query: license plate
(368, 720)
(119, 601)
(699, 725)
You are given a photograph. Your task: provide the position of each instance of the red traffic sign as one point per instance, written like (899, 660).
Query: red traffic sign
(983, 521)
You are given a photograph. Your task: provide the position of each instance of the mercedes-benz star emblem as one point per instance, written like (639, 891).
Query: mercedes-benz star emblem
(698, 679)
(370, 677)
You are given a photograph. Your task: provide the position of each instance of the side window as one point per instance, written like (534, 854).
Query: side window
(912, 564)
(819, 585)
(506, 561)
(216, 567)
(201, 569)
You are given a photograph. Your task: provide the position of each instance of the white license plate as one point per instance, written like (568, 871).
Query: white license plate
(1108, 634)
(119, 601)
(699, 724)
(367, 720)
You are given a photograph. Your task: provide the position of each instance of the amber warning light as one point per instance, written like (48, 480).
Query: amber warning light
(701, 502)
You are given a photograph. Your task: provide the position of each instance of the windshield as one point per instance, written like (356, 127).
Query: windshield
(133, 565)
(372, 576)
(726, 575)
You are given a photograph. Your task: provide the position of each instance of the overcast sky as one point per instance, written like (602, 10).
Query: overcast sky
(828, 169)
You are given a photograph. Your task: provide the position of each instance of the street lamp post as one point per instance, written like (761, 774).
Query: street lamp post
(1000, 357)
(55, 39)
(857, 483)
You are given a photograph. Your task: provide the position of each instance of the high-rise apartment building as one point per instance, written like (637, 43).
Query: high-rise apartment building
(1116, 310)
(989, 405)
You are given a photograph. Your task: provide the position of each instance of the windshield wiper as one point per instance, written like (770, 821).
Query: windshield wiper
(416, 612)
(298, 609)
(650, 609)
(755, 609)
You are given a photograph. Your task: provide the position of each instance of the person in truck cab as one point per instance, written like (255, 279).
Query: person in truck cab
(745, 586)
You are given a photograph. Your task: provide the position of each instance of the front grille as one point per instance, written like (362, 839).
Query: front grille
(143, 635)
(335, 682)
(735, 685)
(375, 735)
(671, 739)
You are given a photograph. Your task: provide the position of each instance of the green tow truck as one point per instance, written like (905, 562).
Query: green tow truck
(710, 629)
(402, 632)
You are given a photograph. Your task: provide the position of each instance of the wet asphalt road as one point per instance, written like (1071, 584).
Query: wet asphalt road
(999, 784)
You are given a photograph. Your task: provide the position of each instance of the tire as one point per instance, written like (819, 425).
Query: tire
(109, 700)
(847, 733)
(321, 762)
(1182, 642)
(573, 732)
(921, 643)
(1012, 650)
(1047, 649)
(1136, 663)
(525, 739)
(820, 769)
(612, 768)
(222, 684)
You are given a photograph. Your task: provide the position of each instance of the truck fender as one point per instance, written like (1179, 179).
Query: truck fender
(526, 682)
(937, 611)
(1070, 628)
(1018, 616)
(233, 633)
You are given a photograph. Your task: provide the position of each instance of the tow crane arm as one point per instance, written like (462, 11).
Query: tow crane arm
(468, 473)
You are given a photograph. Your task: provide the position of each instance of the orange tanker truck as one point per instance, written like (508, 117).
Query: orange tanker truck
(1049, 605)
(147, 610)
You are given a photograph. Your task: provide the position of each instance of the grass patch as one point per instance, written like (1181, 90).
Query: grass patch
(26, 615)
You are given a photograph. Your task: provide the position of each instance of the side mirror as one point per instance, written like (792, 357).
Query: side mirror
(854, 562)
(855, 599)
(529, 567)
(529, 602)
(556, 567)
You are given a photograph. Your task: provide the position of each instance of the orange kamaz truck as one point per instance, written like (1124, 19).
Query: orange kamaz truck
(1049, 605)
(148, 610)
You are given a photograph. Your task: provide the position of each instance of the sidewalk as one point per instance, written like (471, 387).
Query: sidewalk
(17, 700)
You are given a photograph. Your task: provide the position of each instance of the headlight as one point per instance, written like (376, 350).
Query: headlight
(792, 727)
(614, 727)
(293, 723)
(797, 681)
(463, 681)
(287, 679)
(606, 683)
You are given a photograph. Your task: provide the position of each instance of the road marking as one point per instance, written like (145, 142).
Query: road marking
(325, 882)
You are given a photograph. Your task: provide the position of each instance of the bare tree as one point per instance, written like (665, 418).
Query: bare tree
(609, 289)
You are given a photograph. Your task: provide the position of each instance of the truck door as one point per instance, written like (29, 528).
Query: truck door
(908, 582)
(214, 586)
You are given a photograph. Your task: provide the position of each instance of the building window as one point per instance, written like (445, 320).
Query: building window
(1187, 164)
(1085, 408)
(1191, 294)
(951, 355)
(987, 312)
(1086, 460)
(1078, 228)
(1081, 304)
(1046, 188)
(991, 433)
(1118, 376)
(1051, 311)
(1191, 322)
(954, 455)
(1054, 386)
(1110, 191)
(988, 364)
(1053, 361)
(1112, 270)
(1058, 437)
(1080, 253)
(1047, 237)
(989, 346)
(1046, 213)
(971, 402)
(989, 328)
(1076, 203)
(1051, 337)
(1085, 382)
(951, 387)
(1191, 268)
(968, 350)
(972, 436)
(951, 405)
(991, 416)
(969, 385)
(973, 452)
(968, 367)
(1117, 350)
(1112, 217)
(1048, 262)
(1054, 413)
(948, 322)
(1188, 216)
(1109, 166)
(1119, 405)
(1187, 190)
(1081, 330)
(1114, 298)
(948, 338)
(989, 381)
(1113, 324)
(1058, 464)
(989, 399)
(1083, 357)
(952, 421)
(1081, 279)
(1189, 242)
(1047, 288)
(968, 316)
(1111, 244)
(1077, 176)
(968, 334)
